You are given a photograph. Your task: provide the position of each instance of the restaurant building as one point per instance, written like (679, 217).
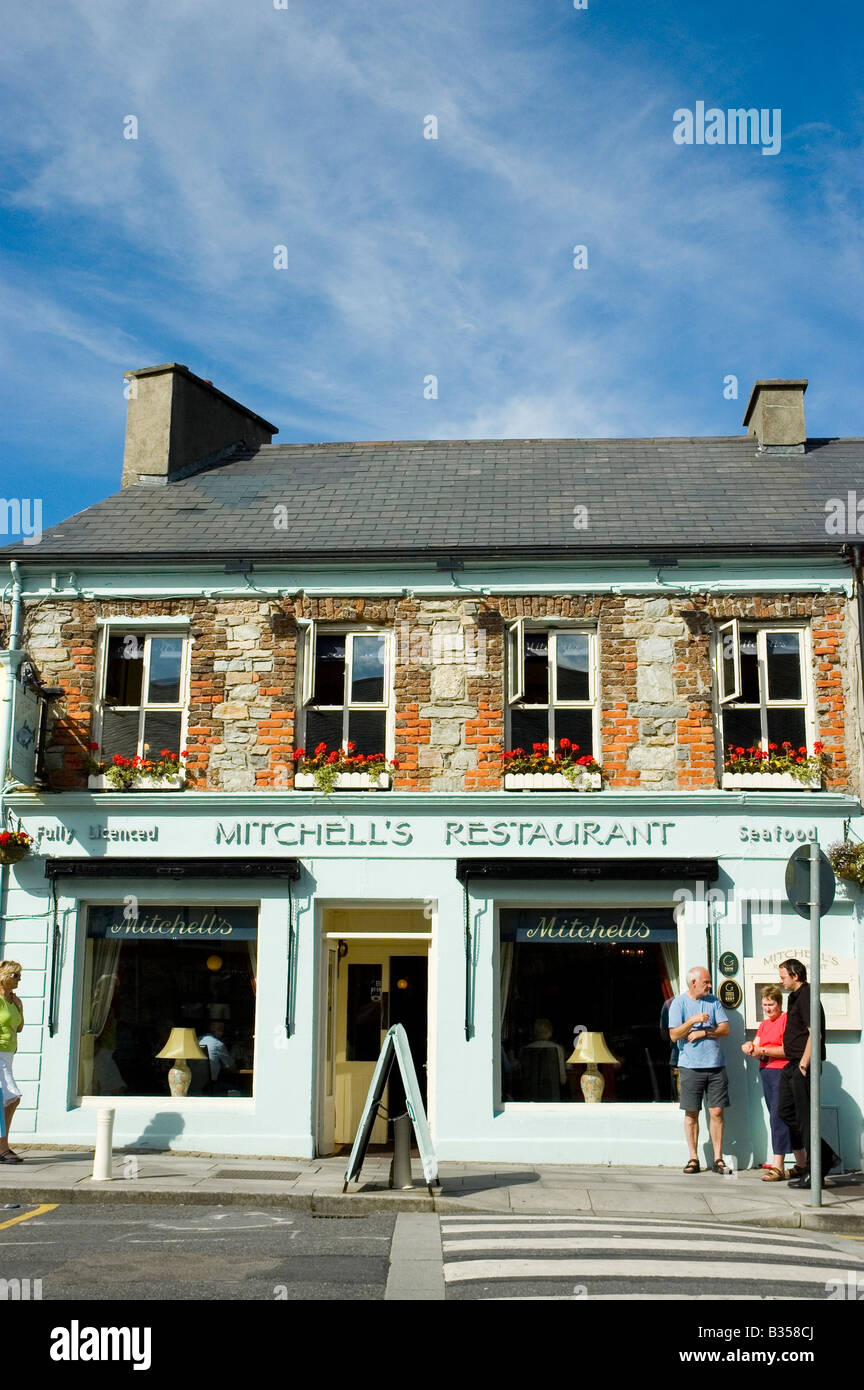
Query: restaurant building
(238, 604)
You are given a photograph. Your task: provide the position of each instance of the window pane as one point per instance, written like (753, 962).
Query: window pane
(161, 731)
(741, 728)
(119, 734)
(367, 730)
(527, 727)
(136, 989)
(536, 668)
(552, 989)
(329, 670)
(367, 670)
(363, 1042)
(787, 724)
(783, 659)
(575, 724)
(166, 660)
(749, 669)
(572, 661)
(124, 669)
(323, 727)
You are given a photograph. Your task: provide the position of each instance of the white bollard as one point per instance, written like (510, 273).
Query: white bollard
(102, 1156)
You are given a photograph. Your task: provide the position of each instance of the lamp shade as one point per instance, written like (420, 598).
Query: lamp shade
(591, 1047)
(182, 1043)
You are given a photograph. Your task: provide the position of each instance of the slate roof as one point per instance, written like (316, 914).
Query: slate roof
(501, 498)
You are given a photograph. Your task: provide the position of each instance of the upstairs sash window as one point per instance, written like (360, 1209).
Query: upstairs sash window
(346, 685)
(552, 687)
(763, 686)
(143, 693)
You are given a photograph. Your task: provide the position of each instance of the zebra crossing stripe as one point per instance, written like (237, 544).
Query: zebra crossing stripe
(659, 1244)
(617, 1228)
(460, 1271)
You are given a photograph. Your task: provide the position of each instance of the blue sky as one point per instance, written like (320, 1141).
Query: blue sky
(410, 257)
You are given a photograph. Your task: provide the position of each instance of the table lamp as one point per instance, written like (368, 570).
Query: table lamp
(182, 1043)
(591, 1048)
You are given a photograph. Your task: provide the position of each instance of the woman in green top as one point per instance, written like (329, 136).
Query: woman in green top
(11, 1023)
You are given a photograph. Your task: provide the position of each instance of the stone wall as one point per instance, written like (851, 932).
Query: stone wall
(657, 720)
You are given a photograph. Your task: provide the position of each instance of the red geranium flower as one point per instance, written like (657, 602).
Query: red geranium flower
(817, 747)
(93, 747)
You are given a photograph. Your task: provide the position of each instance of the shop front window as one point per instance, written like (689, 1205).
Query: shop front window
(183, 967)
(565, 971)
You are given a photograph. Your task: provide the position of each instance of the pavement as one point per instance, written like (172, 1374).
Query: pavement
(65, 1175)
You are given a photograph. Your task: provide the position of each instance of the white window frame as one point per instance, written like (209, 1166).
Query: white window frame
(731, 701)
(112, 628)
(312, 631)
(516, 675)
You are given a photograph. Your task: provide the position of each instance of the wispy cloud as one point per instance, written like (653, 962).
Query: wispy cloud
(408, 257)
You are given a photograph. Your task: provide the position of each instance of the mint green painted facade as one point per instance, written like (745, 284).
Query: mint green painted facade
(396, 849)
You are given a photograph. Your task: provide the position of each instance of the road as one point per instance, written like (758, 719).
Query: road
(119, 1252)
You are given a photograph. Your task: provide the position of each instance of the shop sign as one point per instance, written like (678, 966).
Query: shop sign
(620, 928)
(728, 963)
(117, 923)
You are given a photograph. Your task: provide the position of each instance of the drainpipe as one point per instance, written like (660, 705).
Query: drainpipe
(7, 706)
(859, 585)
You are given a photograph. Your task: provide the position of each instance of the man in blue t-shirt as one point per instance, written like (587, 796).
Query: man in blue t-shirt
(696, 1019)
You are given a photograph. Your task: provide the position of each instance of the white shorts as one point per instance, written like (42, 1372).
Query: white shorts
(8, 1090)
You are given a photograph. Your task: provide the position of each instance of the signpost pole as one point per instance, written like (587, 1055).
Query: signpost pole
(815, 1154)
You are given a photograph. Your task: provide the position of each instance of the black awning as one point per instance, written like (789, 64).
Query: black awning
(172, 868)
(533, 869)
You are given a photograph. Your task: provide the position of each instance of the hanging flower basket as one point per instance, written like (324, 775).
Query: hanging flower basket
(336, 769)
(847, 861)
(15, 845)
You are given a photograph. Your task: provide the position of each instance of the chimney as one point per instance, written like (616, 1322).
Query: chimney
(775, 415)
(177, 423)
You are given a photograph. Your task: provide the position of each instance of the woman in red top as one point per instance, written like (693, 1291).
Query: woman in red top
(769, 1035)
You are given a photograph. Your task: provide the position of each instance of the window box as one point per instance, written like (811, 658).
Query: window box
(770, 782)
(552, 782)
(144, 784)
(346, 781)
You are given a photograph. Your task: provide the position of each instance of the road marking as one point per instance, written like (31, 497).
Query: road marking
(617, 1228)
(28, 1215)
(602, 1243)
(461, 1271)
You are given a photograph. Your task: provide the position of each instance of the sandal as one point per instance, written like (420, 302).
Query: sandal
(773, 1175)
(798, 1172)
(692, 1166)
(718, 1166)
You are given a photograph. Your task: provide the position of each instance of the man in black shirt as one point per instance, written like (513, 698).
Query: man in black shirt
(794, 1099)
